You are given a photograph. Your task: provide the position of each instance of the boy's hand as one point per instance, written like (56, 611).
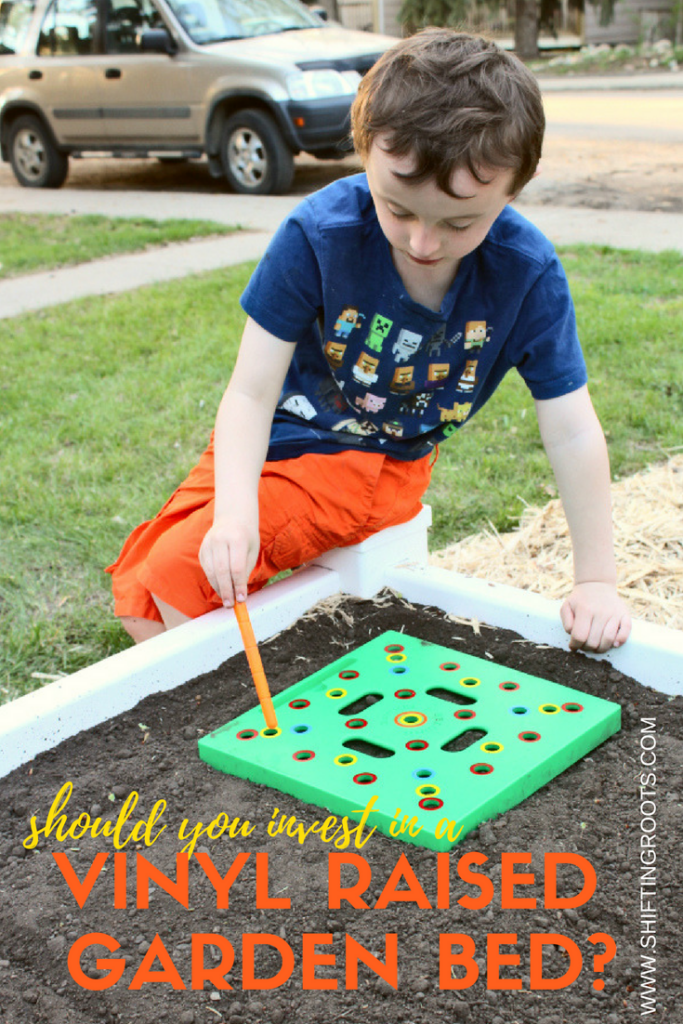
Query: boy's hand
(595, 617)
(227, 556)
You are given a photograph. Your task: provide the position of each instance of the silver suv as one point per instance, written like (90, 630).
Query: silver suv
(249, 83)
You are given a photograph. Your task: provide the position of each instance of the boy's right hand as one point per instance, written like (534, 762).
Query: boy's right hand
(227, 555)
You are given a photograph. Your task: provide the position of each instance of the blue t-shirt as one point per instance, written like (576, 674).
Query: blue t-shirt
(374, 369)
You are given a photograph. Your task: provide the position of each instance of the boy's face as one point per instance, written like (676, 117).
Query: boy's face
(428, 230)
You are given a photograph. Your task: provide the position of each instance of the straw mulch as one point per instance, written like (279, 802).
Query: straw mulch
(648, 529)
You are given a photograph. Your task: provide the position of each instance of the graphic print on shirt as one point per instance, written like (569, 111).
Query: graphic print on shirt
(459, 412)
(437, 375)
(298, 405)
(349, 318)
(330, 397)
(406, 345)
(402, 382)
(365, 369)
(476, 334)
(334, 353)
(393, 428)
(417, 404)
(371, 403)
(438, 341)
(469, 377)
(353, 426)
(379, 331)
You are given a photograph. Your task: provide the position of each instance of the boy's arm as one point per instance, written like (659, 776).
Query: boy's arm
(230, 548)
(593, 614)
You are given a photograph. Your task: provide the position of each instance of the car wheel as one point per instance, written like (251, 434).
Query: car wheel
(36, 161)
(255, 157)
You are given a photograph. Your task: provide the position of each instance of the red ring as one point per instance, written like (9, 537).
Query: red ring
(575, 710)
(296, 757)
(349, 673)
(449, 666)
(528, 732)
(410, 745)
(394, 648)
(435, 801)
(356, 723)
(465, 715)
(481, 764)
(365, 782)
(509, 686)
(404, 694)
(247, 734)
(299, 703)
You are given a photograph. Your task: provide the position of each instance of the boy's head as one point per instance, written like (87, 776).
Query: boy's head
(451, 100)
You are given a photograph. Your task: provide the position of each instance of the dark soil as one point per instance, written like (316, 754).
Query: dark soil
(592, 809)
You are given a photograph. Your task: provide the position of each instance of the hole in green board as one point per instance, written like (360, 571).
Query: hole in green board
(360, 704)
(366, 747)
(464, 740)
(453, 698)
(424, 773)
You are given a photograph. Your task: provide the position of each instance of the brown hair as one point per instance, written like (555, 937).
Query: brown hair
(452, 100)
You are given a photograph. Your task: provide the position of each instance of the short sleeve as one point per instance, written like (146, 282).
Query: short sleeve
(284, 294)
(547, 351)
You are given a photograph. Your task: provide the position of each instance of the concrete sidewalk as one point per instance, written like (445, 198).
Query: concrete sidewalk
(259, 216)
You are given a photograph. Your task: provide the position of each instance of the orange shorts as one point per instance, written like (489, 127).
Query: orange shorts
(306, 507)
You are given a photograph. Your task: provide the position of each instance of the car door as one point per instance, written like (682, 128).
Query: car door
(66, 71)
(147, 99)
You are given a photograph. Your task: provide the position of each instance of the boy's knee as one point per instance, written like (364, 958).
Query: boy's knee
(141, 629)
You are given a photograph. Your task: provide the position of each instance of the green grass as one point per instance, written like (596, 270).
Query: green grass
(34, 241)
(108, 402)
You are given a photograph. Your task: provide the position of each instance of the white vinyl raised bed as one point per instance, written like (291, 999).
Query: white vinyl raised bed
(396, 558)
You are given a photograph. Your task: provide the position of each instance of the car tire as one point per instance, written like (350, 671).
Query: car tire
(36, 161)
(256, 159)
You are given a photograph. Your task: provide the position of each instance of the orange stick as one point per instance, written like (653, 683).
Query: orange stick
(255, 664)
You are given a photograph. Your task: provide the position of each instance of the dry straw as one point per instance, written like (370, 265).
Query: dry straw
(648, 532)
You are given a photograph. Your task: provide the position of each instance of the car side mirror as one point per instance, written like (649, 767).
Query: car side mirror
(157, 40)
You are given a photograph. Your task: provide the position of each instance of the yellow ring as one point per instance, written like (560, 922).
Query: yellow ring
(401, 719)
(428, 790)
(396, 656)
(486, 747)
(336, 693)
(270, 734)
(554, 708)
(470, 686)
(349, 759)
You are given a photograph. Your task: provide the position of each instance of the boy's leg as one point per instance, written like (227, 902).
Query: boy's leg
(307, 506)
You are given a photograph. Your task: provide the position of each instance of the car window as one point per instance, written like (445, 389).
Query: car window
(69, 28)
(15, 18)
(210, 21)
(126, 20)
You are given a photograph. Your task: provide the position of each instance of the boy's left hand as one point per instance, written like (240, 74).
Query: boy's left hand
(595, 617)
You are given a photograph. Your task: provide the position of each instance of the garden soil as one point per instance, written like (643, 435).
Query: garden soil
(593, 809)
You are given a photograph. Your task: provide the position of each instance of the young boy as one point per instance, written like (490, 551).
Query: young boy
(385, 313)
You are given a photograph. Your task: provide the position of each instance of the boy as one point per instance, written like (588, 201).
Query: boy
(385, 313)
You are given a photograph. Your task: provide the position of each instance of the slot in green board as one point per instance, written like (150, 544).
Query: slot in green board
(442, 735)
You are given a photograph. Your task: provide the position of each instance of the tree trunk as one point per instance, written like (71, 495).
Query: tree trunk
(526, 29)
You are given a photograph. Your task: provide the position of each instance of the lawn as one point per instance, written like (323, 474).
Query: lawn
(107, 403)
(34, 241)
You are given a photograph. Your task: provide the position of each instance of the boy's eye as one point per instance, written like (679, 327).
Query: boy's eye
(459, 227)
(399, 214)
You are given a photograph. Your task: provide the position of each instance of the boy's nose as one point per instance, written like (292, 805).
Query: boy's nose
(424, 241)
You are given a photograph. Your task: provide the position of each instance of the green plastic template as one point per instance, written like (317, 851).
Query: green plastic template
(443, 736)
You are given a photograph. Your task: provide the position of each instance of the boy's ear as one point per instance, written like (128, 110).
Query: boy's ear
(519, 191)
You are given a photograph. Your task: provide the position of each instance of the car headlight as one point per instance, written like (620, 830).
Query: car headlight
(322, 82)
